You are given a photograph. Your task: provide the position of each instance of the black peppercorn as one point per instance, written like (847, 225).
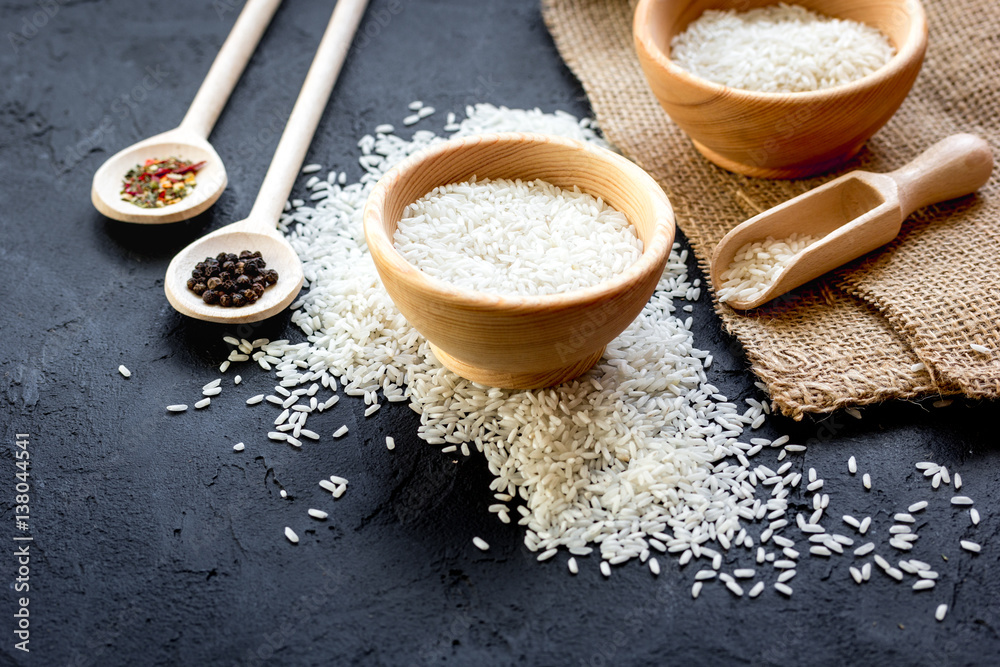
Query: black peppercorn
(232, 280)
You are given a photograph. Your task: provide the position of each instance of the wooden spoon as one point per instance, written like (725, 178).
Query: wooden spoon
(257, 231)
(857, 212)
(188, 141)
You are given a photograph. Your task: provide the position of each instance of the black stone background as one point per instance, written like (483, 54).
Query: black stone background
(156, 544)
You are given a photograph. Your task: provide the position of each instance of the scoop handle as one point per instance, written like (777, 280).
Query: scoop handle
(953, 167)
(228, 65)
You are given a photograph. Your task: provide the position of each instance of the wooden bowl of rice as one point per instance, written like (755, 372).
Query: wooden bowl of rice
(520, 341)
(781, 134)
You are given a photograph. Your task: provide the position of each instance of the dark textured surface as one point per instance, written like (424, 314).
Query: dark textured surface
(156, 544)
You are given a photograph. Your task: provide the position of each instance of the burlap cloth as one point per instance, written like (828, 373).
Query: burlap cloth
(855, 336)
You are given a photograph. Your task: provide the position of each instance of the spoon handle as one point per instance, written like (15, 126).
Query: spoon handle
(953, 167)
(228, 66)
(306, 113)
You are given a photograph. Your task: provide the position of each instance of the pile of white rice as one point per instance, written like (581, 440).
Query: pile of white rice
(639, 456)
(758, 264)
(779, 49)
(516, 237)
(632, 450)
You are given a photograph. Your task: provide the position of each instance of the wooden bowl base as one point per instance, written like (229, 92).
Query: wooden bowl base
(509, 380)
(805, 171)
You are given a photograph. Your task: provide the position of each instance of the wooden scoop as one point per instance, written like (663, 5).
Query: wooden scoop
(257, 231)
(190, 139)
(857, 212)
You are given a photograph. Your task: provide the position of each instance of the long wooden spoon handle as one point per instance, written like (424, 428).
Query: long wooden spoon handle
(307, 112)
(953, 167)
(228, 66)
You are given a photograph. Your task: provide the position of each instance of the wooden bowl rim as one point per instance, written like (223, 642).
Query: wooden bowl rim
(653, 258)
(913, 48)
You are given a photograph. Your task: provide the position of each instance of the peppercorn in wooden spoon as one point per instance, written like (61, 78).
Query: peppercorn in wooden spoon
(177, 174)
(258, 233)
